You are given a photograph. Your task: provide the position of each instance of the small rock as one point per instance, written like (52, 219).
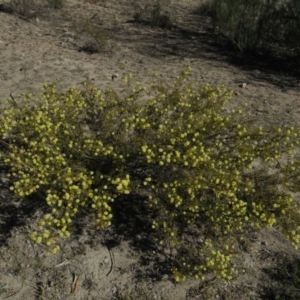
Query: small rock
(68, 35)
(138, 237)
(114, 76)
(263, 243)
(70, 40)
(3, 179)
(105, 260)
(167, 251)
(243, 85)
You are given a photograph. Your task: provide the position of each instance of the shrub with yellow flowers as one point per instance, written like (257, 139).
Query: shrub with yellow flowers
(207, 169)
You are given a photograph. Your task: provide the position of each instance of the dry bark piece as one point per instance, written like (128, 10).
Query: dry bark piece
(113, 77)
(75, 285)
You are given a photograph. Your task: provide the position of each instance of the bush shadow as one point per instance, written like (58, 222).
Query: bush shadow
(16, 213)
(282, 279)
(131, 223)
(195, 39)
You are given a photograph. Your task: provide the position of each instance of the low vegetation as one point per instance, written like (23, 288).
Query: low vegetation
(270, 27)
(210, 174)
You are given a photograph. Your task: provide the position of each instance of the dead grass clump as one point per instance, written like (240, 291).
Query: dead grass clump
(56, 4)
(152, 14)
(95, 38)
(25, 9)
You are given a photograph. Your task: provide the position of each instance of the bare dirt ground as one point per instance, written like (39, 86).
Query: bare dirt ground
(113, 264)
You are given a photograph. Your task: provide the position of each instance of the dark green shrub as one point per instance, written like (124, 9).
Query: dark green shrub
(256, 25)
(208, 172)
(96, 38)
(56, 4)
(25, 9)
(292, 33)
(152, 14)
(239, 21)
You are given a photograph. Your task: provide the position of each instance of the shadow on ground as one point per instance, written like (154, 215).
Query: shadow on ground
(132, 222)
(282, 280)
(193, 39)
(16, 213)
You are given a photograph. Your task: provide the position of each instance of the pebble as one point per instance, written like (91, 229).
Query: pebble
(3, 179)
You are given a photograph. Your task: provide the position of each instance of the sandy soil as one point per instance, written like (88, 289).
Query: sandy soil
(47, 49)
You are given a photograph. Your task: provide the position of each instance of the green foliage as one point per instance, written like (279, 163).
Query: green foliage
(257, 24)
(23, 8)
(2, 290)
(56, 4)
(154, 15)
(209, 172)
(292, 34)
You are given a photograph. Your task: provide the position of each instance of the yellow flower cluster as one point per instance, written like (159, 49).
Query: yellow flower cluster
(219, 264)
(51, 150)
(122, 184)
(204, 167)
